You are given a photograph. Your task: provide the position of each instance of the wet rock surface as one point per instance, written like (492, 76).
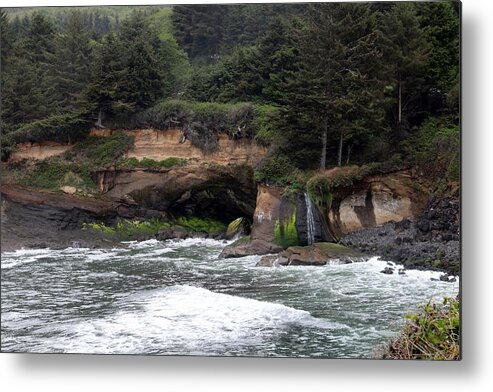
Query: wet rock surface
(245, 247)
(50, 221)
(431, 242)
(318, 254)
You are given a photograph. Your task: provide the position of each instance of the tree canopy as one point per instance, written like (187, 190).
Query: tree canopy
(343, 82)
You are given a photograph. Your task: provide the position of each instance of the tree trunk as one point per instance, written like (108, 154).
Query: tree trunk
(399, 115)
(339, 154)
(99, 123)
(348, 154)
(323, 156)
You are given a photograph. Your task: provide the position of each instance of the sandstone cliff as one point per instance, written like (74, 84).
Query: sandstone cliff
(158, 145)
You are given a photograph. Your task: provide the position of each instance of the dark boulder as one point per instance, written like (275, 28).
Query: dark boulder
(173, 232)
(318, 254)
(387, 271)
(245, 247)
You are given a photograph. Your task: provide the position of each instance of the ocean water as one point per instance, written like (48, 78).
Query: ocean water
(178, 298)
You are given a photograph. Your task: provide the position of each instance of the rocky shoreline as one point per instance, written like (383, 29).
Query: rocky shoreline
(43, 220)
(432, 242)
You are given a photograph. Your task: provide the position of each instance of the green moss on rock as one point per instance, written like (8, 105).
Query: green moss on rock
(202, 225)
(286, 234)
(335, 250)
(234, 226)
(129, 229)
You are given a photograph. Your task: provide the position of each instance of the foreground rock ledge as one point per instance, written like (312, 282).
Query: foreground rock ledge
(245, 247)
(317, 255)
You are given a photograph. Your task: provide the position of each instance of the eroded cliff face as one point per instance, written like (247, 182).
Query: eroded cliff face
(221, 185)
(372, 202)
(39, 150)
(160, 145)
(375, 201)
(281, 218)
(224, 192)
(40, 219)
(218, 185)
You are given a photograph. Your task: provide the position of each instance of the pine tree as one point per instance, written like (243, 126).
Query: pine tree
(141, 84)
(199, 29)
(405, 51)
(101, 96)
(277, 56)
(440, 23)
(336, 81)
(39, 38)
(25, 94)
(6, 37)
(69, 70)
(127, 74)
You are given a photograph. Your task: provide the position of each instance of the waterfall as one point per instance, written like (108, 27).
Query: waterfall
(310, 221)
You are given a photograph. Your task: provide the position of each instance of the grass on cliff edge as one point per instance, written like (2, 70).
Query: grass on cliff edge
(51, 174)
(433, 334)
(100, 151)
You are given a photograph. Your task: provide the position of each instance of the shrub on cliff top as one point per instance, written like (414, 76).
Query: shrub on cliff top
(151, 163)
(101, 151)
(64, 128)
(203, 121)
(278, 170)
(53, 173)
(435, 148)
(433, 333)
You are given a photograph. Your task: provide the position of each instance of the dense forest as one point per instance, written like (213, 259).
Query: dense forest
(322, 84)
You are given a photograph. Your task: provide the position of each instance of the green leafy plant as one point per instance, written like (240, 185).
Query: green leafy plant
(278, 170)
(53, 173)
(435, 148)
(433, 333)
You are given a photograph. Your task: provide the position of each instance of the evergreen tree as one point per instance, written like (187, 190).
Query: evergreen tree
(39, 39)
(440, 23)
(336, 83)
(141, 84)
(127, 74)
(69, 70)
(6, 37)
(199, 29)
(102, 95)
(405, 52)
(277, 56)
(25, 94)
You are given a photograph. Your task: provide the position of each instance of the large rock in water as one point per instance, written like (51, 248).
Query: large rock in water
(245, 247)
(317, 254)
(173, 232)
(32, 218)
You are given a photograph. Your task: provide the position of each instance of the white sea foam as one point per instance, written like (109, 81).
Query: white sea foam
(24, 256)
(186, 319)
